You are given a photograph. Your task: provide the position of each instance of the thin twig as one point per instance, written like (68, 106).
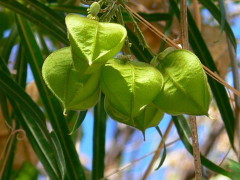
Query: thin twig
(193, 120)
(196, 151)
(184, 25)
(158, 151)
(197, 14)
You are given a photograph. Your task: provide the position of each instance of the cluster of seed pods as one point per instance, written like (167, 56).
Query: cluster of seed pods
(136, 93)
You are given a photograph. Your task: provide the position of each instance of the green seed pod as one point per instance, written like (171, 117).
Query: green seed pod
(148, 117)
(185, 90)
(92, 42)
(130, 85)
(75, 91)
(94, 9)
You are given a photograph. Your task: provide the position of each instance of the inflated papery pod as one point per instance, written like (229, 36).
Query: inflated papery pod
(149, 116)
(92, 42)
(130, 85)
(74, 90)
(186, 90)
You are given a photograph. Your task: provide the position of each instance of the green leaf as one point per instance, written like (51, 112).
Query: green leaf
(79, 121)
(164, 154)
(12, 89)
(100, 118)
(52, 107)
(69, 8)
(36, 18)
(219, 92)
(223, 13)
(21, 67)
(92, 42)
(75, 90)
(207, 163)
(53, 17)
(185, 82)
(33, 124)
(9, 43)
(59, 153)
(235, 167)
(39, 139)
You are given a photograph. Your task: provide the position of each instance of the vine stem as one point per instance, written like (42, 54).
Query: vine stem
(193, 120)
(158, 151)
(196, 151)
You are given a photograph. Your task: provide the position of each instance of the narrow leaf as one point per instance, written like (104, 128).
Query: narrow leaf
(52, 106)
(79, 121)
(33, 124)
(39, 20)
(54, 17)
(100, 118)
(10, 87)
(223, 13)
(164, 154)
(9, 43)
(58, 150)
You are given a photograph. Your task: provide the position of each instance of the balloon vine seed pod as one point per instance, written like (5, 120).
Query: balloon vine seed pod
(93, 43)
(129, 86)
(74, 90)
(149, 116)
(186, 90)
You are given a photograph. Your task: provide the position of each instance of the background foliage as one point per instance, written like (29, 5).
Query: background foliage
(37, 141)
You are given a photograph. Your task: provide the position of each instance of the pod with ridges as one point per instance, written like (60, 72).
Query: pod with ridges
(148, 117)
(74, 90)
(130, 85)
(92, 42)
(186, 90)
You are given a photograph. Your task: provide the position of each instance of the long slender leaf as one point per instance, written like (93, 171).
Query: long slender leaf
(8, 168)
(9, 43)
(33, 124)
(36, 19)
(58, 150)
(69, 8)
(217, 15)
(21, 67)
(54, 17)
(164, 154)
(100, 118)
(39, 142)
(52, 106)
(223, 13)
(210, 165)
(8, 86)
(79, 121)
(200, 48)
